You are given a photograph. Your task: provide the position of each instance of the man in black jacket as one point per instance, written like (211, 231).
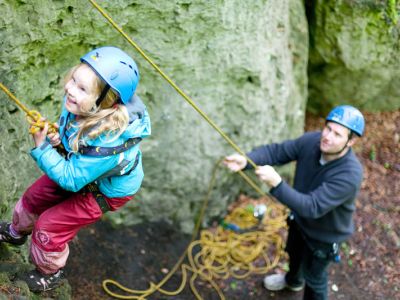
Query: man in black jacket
(327, 179)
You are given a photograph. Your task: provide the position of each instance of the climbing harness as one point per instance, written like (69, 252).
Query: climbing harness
(106, 151)
(116, 171)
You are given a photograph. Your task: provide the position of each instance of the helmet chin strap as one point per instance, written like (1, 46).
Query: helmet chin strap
(338, 152)
(102, 95)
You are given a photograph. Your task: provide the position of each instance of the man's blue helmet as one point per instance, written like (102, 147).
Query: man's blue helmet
(116, 68)
(349, 117)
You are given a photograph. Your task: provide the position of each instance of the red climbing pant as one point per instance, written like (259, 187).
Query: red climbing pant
(54, 216)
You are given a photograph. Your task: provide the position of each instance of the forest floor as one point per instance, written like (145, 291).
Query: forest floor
(370, 264)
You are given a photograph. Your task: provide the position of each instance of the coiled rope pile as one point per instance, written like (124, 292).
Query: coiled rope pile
(225, 253)
(220, 253)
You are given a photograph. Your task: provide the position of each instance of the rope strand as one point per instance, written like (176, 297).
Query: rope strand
(172, 83)
(34, 118)
(195, 267)
(222, 253)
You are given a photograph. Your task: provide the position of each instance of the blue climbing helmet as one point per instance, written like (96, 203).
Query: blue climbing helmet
(116, 68)
(349, 117)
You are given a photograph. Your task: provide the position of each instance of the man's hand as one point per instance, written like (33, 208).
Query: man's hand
(54, 138)
(268, 175)
(235, 162)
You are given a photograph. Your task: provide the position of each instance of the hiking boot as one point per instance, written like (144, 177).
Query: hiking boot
(277, 282)
(7, 237)
(38, 282)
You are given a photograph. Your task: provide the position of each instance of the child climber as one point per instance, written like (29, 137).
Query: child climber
(100, 127)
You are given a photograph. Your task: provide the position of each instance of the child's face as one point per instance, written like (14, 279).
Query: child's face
(80, 90)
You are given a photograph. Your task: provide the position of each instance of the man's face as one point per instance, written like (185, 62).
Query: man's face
(334, 138)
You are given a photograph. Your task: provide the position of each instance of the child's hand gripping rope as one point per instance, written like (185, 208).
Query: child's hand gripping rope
(37, 123)
(40, 128)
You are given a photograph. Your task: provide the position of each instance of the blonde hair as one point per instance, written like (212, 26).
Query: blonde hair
(109, 117)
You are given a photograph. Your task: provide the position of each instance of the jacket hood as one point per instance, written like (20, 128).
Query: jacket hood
(139, 126)
(139, 119)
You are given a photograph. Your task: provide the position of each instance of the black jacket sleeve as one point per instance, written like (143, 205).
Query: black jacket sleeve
(320, 201)
(276, 154)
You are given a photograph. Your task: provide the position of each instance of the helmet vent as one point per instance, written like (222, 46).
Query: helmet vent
(116, 68)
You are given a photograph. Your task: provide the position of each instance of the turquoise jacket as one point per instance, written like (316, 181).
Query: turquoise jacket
(75, 171)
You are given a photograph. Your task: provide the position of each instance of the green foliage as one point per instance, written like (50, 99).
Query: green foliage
(372, 153)
(285, 267)
(350, 262)
(347, 253)
(353, 58)
(233, 285)
(346, 249)
(392, 11)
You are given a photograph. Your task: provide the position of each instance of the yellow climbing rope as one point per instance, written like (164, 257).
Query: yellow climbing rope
(170, 81)
(34, 118)
(222, 253)
(240, 251)
(225, 253)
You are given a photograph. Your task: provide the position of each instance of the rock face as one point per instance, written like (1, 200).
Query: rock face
(244, 63)
(354, 54)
